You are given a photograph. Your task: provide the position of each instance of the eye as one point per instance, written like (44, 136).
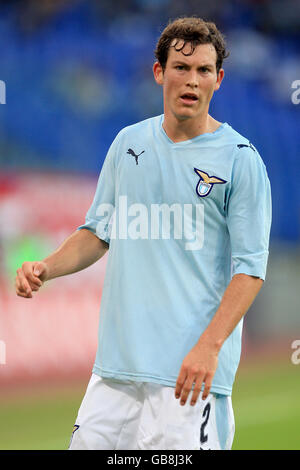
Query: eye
(179, 67)
(204, 69)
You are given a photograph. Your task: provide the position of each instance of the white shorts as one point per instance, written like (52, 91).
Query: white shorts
(117, 415)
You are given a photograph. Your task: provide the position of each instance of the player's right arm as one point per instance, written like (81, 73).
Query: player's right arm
(81, 249)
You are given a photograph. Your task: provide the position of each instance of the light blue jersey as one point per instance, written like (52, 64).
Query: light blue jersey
(181, 219)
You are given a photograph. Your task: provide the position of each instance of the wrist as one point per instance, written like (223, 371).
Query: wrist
(46, 272)
(210, 341)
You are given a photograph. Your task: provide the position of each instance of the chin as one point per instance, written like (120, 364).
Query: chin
(185, 116)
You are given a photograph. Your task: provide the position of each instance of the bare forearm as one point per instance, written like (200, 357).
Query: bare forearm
(200, 364)
(236, 301)
(81, 249)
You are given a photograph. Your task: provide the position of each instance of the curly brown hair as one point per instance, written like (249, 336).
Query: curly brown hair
(192, 30)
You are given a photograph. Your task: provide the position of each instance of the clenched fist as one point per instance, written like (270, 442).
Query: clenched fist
(30, 277)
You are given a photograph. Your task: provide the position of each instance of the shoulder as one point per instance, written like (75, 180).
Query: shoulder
(243, 150)
(235, 139)
(149, 125)
(133, 138)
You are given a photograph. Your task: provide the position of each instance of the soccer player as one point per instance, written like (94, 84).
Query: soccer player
(183, 204)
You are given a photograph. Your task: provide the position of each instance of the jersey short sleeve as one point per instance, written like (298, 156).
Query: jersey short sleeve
(249, 214)
(100, 215)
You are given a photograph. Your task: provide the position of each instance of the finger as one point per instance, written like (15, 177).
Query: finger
(32, 287)
(40, 271)
(27, 279)
(21, 292)
(25, 295)
(19, 288)
(24, 292)
(23, 284)
(25, 287)
(180, 382)
(36, 281)
(208, 382)
(32, 275)
(187, 387)
(197, 390)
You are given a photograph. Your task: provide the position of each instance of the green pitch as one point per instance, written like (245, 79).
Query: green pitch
(267, 407)
(265, 401)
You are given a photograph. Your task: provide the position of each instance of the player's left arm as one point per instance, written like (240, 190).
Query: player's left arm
(248, 221)
(200, 364)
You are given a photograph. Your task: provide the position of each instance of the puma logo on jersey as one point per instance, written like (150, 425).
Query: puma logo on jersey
(244, 145)
(206, 182)
(131, 152)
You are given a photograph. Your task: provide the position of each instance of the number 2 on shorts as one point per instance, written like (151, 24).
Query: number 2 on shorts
(205, 415)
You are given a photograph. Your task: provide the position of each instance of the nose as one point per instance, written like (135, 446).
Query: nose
(192, 79)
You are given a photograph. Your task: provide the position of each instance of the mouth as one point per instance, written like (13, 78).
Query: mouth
(189, 98)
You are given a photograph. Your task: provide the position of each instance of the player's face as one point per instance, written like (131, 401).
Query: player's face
(189, 81)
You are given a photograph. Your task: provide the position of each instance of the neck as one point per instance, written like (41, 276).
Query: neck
(179, 130)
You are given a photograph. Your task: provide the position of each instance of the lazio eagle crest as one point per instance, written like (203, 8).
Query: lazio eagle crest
(206, 182)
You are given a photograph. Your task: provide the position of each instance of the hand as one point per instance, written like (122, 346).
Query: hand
(30, 278)
(198, 366)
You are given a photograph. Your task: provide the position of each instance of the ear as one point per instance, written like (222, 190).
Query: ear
(158, 73)
(219, 79)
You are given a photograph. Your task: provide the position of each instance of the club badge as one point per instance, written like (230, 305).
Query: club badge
(206, 182)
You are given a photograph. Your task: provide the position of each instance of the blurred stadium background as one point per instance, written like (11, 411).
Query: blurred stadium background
(75, 73)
